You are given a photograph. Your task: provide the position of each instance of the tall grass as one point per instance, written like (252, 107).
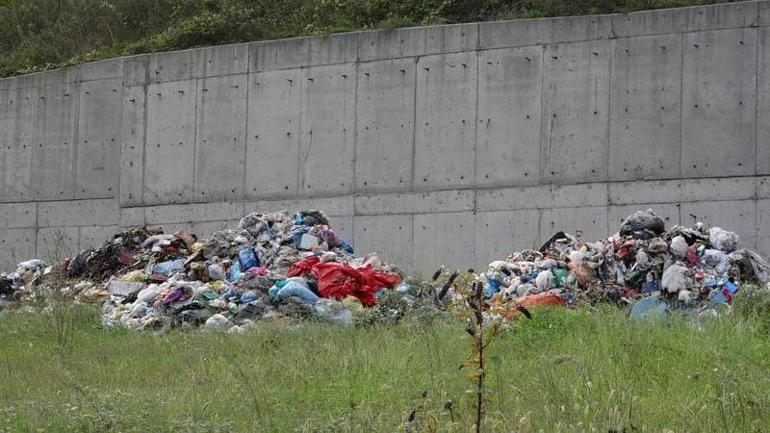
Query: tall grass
(562, 371)
(42, 34)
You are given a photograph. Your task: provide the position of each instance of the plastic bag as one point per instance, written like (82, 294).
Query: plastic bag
(722, 239)
(248, 258)
(338, 280)
(675, 278)
(296, 287)
(678, 247)
(333, 312)
(169, 267)
(642, 225)
(649, 309)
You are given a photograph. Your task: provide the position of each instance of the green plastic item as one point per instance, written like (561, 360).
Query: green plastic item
(208, 295)
(559, 274)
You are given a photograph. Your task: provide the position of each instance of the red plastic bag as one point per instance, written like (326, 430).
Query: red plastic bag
(303, 267)
(338, 280)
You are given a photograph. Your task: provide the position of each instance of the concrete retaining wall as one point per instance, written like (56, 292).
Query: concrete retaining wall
(451, 144)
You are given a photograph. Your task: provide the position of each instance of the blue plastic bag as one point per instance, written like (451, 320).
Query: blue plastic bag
(491, 287)
(649, 309)
(248, 258)
(345, 247)
(169, 267)
(234, 272)
(292, 287)
(723, 295)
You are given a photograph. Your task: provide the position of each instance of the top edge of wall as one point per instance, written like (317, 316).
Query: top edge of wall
(363, 46)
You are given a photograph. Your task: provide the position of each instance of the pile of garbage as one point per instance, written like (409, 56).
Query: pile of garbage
(279, 266)
(643, 265)
(272, 266)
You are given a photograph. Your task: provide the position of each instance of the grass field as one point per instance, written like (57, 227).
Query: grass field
(563, 371)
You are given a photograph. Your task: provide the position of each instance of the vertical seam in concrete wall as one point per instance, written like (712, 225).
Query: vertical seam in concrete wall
(145, 87)
(475, 155)
(608, 148)
(354, 186)
(411, 242)
(36, 229)
(543, 159)
(681, 110)
(414, 127)
(76, 134)
(195, 137)
(539, 226)
(246, 136)
(299, 131)
(608, 145)
(757, 61)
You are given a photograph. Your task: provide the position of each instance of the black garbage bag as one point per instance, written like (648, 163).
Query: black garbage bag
(643, 224)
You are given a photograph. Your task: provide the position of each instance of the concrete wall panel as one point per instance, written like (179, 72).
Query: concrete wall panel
(220, 138)
(718, 103)
(54, 147)
(98, 146)
(272, 151)
(170, 145)
(132, 140)
(285, 54)
(76, 213)
(329, 205)
(588, 222)
(202, 229)
(689, 19)
(331, 49)
(327, 129)
(221, 60)
(443, 239)
(101, 70)
(136, 70)
(543, 31)
(738, 216)
(645, 122)
(542, 197)
(763, 227)
(57, 243)
(18, 215)
(617, 214)
(171, 66)
(95, 236)
(508, 129)
(16, 245)
(388, 235)
(426, 202)
(763, 101)
(500, 233)
(343, 226)
(683, 190)
(18, 117)
(385, 110)
(575, 111)
(445, 120)
(190, 213)
(417, 41)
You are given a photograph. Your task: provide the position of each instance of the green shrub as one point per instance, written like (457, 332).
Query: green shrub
(43, 34)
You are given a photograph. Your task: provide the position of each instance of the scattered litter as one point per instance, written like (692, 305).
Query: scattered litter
(642, 265)
(273, 266)
(279, 267)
